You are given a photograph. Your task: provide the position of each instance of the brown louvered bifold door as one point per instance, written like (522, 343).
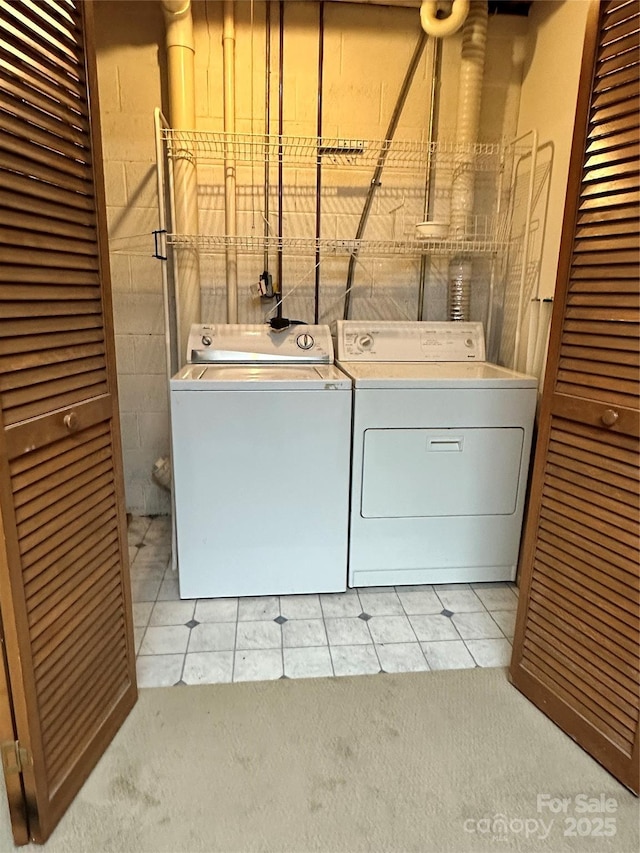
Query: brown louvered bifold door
(577, 634)
(68, 679)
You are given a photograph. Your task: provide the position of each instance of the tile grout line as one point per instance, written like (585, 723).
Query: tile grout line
(186, 651)
(326, 634)
(281, 636)
(235, 643)
(373, 642)
(408, 618)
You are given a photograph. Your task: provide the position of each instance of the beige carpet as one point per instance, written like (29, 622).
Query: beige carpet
(420, 762)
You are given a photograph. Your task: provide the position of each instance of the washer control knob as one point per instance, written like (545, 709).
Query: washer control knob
(305, 341)
(469, 342)
(365, 342)
(206, 341)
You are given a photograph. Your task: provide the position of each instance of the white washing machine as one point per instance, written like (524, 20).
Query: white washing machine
(261, 435)
(440, 455)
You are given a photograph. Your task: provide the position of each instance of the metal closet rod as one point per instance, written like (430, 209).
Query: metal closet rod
(375, 181)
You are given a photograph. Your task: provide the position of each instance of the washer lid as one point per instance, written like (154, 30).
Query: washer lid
(200, 377)
(397, 375)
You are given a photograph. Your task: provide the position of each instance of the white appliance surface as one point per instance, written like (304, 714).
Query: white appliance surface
(198, 377)
(391, 374)
(259, 344)
(364, 340)
(261, 457)
(440, 454)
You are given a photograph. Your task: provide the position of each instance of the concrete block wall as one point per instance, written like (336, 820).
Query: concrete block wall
(129, 38)
(367, 49)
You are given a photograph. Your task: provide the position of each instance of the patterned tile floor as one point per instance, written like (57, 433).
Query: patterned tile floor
(363, 631)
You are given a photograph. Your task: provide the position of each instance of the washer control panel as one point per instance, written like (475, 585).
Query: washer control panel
(254, 344)
(363, 340)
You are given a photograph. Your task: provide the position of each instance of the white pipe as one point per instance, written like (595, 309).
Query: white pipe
(474, 41)
(181, 61)
(182, 113)
(230, 221)
(441, 27)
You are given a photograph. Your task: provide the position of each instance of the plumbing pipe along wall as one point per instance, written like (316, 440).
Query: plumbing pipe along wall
(182, 111)
(230, 220)
(474, 41)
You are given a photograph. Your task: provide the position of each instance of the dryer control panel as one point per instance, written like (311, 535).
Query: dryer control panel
(226, 343)
(364, 340)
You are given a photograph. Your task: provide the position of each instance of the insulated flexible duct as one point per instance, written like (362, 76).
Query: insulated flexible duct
(474, 41)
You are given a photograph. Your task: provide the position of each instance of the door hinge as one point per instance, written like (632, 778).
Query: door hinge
(15, 757)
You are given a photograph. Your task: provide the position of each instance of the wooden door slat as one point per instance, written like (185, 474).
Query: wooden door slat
(62, 495)
(71, 626)
(599, 369)
(620, 567)
(98, 568)
(600, 354)
(55, 195)
(51, 668)
(596, 653)
(29, 39)
(620, 607)
(109, 688)
(613, 489)
(48, 591)
(590, 710)
(619, 641)
(77, 683)
(43, 224)
(52, 341)
(29, 362)
(59, 566)
(583, 633)
(622, 346)
(583, 674)
(588, 563)
(15, 88)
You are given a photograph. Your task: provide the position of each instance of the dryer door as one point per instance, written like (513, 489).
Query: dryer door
(440, 472)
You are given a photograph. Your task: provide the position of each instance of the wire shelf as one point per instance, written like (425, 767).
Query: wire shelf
(377, 248)
(334, 151)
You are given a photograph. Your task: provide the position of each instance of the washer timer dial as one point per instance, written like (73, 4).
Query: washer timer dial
(305, 341)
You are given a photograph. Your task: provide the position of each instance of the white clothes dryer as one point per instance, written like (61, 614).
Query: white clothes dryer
(261, 433)
(440, 454)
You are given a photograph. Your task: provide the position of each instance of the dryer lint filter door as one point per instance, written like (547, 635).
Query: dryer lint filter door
(440, 472)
